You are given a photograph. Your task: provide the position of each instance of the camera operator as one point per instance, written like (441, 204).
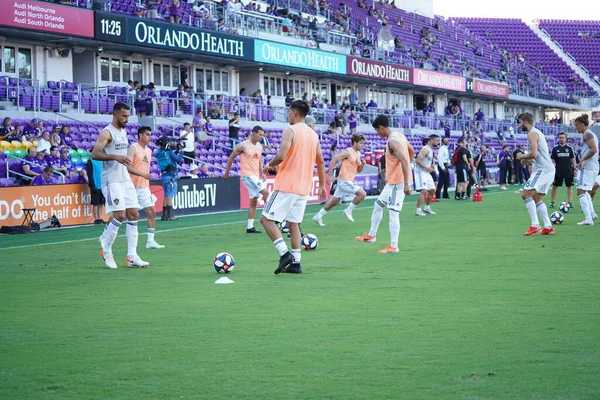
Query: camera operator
(169, 156)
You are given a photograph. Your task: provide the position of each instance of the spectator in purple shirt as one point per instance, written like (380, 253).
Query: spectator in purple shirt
(314, 102)
(352, 122)
(208, 126)
(479, 116)
(31, 131)
(66, 139)
(44, 179)
(174, 12)
(54, 161)
(29, 163)
(372, 104)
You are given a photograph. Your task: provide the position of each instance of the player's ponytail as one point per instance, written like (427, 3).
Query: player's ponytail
(583, 119)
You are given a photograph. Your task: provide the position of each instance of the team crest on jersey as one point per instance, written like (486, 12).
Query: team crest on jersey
(145, 159)
(116, 201)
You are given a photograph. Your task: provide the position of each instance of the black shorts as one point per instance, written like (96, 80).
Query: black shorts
(96, 197)
(482, 173)
(462, 175)
(558, 180)
(434, 176)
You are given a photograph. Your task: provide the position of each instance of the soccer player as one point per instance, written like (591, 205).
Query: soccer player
(423, 180)
(563, 156)
(119, 192)
(398, 175)
(351, 164)
(588, 169)
(543, 175)
(296, 158)
(140, 155)
(250, 152)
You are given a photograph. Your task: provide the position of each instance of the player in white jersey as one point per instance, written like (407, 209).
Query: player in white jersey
(423, 180)
(588, 169)
(117, 187)
(542, 177)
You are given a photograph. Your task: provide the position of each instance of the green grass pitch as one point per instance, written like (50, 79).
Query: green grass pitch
(469, 309)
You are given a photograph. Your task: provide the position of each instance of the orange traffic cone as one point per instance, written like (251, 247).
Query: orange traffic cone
(477, 197)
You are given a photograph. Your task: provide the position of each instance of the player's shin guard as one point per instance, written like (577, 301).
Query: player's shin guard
(132, 238)
(530, 204)
(543, 211)
(394, 227)
(376, 217)
(584, 203)
(280, 246)
(110, 234)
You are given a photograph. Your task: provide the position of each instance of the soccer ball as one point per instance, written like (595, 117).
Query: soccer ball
(224, 263)
(283, 227)
(557, 218)
(564, 207)
(309, 242)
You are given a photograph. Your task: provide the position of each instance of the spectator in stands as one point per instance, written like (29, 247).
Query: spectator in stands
(338, 122)
(152, 6)
(175, 12)
(193, 172)
(66, 139)
(152, 95)
(55, 140)
(31, 130)
(288, 99)
(352, 122)
(479, 116)
(310, 121)
(223, 27)
(54, 161)
(354, 51)
(372, 104)
(430, 108)
(353, 97)
(94, 171)
(44, 143)
(140, 12)
(44, 179)
(234, 130)
(29, 164)
(209, 128)
(331, 129)
(366, 53)
(5, 129)
(314, 102)
(198, 127)
(169, 160)
(286, 25)
(189, 151)
(204, 172)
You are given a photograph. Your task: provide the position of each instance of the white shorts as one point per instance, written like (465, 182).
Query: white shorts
(586, 179)
(392, 196)
(423, 180)
(345, 188)
(201, 136)
(540, 181)
(282, 206)
(145, 198)
(598, 180)
(119, 196)
(254, 186)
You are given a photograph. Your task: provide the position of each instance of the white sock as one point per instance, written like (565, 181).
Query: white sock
(419, 211)
(132, 237)
(530, 204)
(281, 246)
(394, 227)
(591, 204)
(543, 211)
(584, 204)
(297, 255)
(250, 223)
(151, 234)
(110, 234)
(351, 207)
(427, 207)
(376, 217)
(322, 212)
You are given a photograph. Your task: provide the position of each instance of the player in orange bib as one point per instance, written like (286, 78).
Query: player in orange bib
(351, 164)
(250, 152)
(399, 177)
(296, 158)
(140, 155)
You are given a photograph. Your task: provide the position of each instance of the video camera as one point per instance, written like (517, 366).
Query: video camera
(168, 143)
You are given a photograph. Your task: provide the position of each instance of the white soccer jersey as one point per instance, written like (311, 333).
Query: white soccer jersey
(428, 159)
(592, 162)
(542, 161)
(112, 171)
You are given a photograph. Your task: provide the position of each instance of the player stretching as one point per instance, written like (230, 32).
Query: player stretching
(564, 159)
(543, 175)
(351, 164)
(296, 158)
(398, 175)
(140, 155)
(423, 179)
(588, 169)
(250, 152)
(119, 192)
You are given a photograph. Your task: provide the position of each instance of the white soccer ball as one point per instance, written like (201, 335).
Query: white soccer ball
(557, 218)
(283, 227)
(564, 207)
(309, 241)
(224, 263)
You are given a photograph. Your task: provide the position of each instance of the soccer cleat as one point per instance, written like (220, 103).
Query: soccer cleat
(570, 205)
(548, 231)
(366, 238)
(293, 268)
(252, 230)
(595, 217)
(430, 211)
(317, 218)
(532, 230)
(585, 223)
(420, 213)
(136, 262)
(154, 245)
(108, 260)
(284, 261)
(552, 204)
(348, 214)
(389, 249)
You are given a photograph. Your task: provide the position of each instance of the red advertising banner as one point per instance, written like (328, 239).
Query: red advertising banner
(490, 88)
(43, 16)
(378, 70)
(245, 200)
(439, 80)
(70, 204)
